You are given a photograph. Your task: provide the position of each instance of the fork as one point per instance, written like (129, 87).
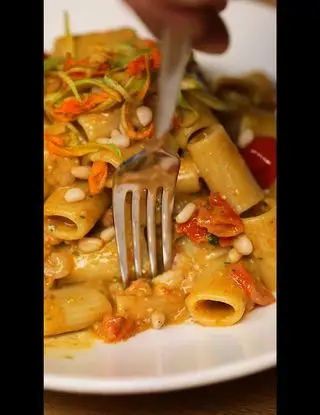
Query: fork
(153, 172)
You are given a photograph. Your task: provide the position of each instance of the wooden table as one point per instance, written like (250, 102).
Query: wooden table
(254, 395)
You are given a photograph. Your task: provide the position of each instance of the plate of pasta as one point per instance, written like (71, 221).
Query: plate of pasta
(212, 317)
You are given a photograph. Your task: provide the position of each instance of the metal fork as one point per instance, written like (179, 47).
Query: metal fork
(153, 172)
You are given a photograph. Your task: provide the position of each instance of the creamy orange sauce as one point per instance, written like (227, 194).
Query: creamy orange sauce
(135, 305)
(72, 341)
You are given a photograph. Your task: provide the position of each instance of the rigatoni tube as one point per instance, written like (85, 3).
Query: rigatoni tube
(224, 170)
(215, 299)
(100, 125)
(188, 177)
(102, 264)
(261, 230)
(72, 221)
(73, 308)
(190, 125)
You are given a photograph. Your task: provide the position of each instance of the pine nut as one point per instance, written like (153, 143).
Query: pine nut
(144, 115)
(243, 244)
(157, 319)
(88, 245)
(234, 256)
(186, 213)
(80, 172)
(108, 234)
(121, 141)
(74, 195)
(114, 133)
(245, 138)
(107, 218)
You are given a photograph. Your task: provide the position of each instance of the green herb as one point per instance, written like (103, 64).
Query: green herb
(111, 83)
(115, 150)
(134, 85)
(82, 216)
(56, 97)
(74, 139)
(69, 41)
(126, 52)
(212, 101)
(212, 239)
(70, 84)
(126, 48)
(184, 104)
(227, 263)
(190, 83)
(52, 63)
(68, 357)
(51, 228)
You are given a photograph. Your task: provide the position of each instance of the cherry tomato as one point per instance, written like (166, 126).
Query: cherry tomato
(192, 230)
(260, 156)
(255, 290)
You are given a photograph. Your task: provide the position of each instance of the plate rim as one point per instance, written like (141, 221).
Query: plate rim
(151, 384)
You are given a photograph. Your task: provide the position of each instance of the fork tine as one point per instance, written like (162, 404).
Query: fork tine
(119, 204)
(136, 228)
(151, 229)
(167, 208)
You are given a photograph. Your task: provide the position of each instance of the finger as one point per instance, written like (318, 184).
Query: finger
(202, 25)
(216, 37)
(156, 5)
(219, 5)
(179, 20)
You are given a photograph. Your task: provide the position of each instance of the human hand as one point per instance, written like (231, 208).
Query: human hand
(198, 18)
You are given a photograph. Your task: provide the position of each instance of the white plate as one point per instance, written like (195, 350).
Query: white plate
(187, 355)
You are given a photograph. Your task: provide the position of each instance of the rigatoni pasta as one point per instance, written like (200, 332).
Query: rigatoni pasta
(188, 177)
(216, 299)
(223, 168)
(97, 87)
(192, 120)
(101, 264)
(100, 125)
(261, 229)
(73, 308)
(72, 221)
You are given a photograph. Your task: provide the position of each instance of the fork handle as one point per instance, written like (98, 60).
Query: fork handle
(175, 51)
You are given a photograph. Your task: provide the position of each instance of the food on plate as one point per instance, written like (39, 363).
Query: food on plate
(99, 103)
